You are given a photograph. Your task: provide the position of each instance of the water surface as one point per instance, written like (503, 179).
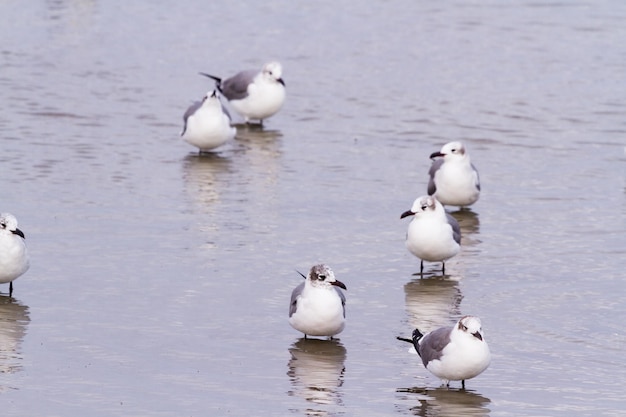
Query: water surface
(160, 279)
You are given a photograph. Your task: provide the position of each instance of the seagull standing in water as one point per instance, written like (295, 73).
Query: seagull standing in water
(433, 234)
(453, 178)
(318, 306)
(13, 254)
(207, 123)
(253, 94)
(453, 353)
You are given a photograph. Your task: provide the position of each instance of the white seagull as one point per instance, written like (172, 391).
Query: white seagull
(207, 123)
(433, 234)
(13, 254)
(453, 178)
(253, 94)
(454, 353)
(318, 307)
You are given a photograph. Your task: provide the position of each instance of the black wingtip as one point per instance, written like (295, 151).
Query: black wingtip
(301, 274)
(417, 335)
(404, 339)
(217, 80)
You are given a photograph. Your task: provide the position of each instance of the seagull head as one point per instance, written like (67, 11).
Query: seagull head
(321, 275)
(212, 95)
(8, 222)
(212, 99)
(274, 71)
(423, 204)
(450, 150)
(471, 325)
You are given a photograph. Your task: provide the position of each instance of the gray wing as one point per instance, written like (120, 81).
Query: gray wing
(477, 177)
(227, 113)
(432, 345)
(343, 300)
(293, 305)
(236, 87)
(431, 172)
(456, 229)
(191, 110)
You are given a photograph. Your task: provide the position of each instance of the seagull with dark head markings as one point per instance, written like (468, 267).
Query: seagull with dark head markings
(453, 178)
(256, 95)
(14, 259)
(318, 306)
(433, 234)
(453, 353)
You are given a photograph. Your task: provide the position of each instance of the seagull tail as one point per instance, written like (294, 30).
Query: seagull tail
(218, 80)
(417, 336)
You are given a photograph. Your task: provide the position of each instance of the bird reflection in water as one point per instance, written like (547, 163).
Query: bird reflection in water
(204, 176)
(432, 302)
(446, 402)
(262, 147)
(258, 134)
(14, 319)
(470, 226)
(316, 372)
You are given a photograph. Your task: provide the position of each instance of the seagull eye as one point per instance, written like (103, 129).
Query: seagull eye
(322, 277)
(462, 327)
(424, 207)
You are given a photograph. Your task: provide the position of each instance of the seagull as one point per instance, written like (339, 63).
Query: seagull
(13, 254)
(453, 353)
(433, 235)
(253, 94)
(207, 123)
(453, 178)
(318, 307)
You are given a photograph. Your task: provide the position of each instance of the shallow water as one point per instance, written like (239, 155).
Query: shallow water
(160, 279)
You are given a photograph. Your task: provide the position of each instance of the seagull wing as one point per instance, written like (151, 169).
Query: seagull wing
(293, 305)
(190, 111)
(456, 229)
(236, 87)
(343, 300)
(477, 177)
(431, 172)
(432, 345)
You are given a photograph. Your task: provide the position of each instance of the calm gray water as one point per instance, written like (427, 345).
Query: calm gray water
(160, 280)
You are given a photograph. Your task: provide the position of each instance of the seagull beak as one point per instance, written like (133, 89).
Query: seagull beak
(339, 284)
(477, 336)
(436, 154)
(19, 233)
(406, 214)
(280, 80)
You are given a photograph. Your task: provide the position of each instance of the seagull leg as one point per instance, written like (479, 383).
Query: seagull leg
(421, 267)
(463, 383)
(10, 288)
(443, 268)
